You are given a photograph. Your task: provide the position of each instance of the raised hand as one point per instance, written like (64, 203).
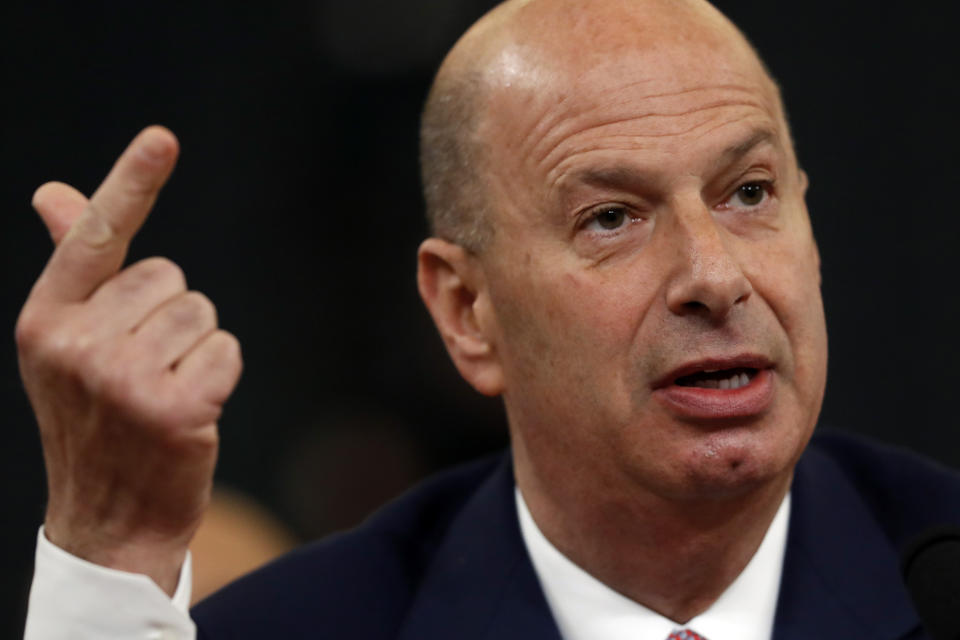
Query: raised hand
(127, 374)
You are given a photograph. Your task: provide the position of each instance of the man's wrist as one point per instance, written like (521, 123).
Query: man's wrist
(161, 561)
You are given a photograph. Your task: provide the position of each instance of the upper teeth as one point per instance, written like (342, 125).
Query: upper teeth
(735, 381)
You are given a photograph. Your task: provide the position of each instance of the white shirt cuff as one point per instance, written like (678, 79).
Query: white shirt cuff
(76, 599)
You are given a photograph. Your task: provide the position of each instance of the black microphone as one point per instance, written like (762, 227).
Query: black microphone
(931, 571)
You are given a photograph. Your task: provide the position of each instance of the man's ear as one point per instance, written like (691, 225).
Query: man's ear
(453, 287)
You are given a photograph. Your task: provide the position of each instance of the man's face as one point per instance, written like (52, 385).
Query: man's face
(653, 281)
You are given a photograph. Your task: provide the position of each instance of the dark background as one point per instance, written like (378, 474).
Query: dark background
(296, 208)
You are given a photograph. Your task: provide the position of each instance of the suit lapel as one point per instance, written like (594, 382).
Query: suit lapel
(481, 584)
(840, 575)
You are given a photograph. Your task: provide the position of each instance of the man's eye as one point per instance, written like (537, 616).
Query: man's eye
(751, 194)
(609, 219)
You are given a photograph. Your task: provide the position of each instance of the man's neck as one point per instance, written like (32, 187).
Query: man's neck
(675, 558)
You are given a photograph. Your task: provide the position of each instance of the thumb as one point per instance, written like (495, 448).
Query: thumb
(59, 205)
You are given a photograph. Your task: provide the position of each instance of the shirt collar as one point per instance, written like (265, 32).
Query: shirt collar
(587, 609)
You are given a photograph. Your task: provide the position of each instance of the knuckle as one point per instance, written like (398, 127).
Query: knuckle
(233, 348)
(160, 270)
(139, 184)
(78, 352)
(231, 342)
(29, 330)
(190, 311)
(224, 347)
(150, 277)
(56, 348)
(216, 371)
(227, 348)
(198, 309)
(94, 229)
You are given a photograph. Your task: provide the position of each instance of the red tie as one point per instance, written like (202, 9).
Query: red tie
(685, 634)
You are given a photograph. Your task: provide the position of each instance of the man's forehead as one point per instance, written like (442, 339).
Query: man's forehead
(654, 99)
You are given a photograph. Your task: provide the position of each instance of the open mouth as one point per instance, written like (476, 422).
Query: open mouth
(739, 386)
(718, 378)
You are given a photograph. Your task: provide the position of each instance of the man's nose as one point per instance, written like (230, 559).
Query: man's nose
(707, 279)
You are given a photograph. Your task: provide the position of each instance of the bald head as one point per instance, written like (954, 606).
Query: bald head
(524, 52)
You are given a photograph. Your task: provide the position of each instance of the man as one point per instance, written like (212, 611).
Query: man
(622, 251)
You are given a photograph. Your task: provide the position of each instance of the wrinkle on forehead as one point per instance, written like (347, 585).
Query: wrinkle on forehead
(688, 121)
(659, 148)
(616, 173)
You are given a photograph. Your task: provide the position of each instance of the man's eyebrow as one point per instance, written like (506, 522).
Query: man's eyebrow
(758, 137)
(613, 177)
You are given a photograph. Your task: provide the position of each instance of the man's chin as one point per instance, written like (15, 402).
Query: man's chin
(725, 468)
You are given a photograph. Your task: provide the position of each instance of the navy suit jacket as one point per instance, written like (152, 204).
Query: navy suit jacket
(447, 561)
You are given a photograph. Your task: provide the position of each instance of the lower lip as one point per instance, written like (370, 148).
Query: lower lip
(749, 400)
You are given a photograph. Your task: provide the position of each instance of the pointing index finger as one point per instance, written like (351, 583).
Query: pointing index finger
(94, 248)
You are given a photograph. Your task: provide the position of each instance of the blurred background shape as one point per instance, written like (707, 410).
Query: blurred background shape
(236, 536)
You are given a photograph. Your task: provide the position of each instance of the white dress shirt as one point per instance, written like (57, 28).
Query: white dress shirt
(73, 598)
(587, 609)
